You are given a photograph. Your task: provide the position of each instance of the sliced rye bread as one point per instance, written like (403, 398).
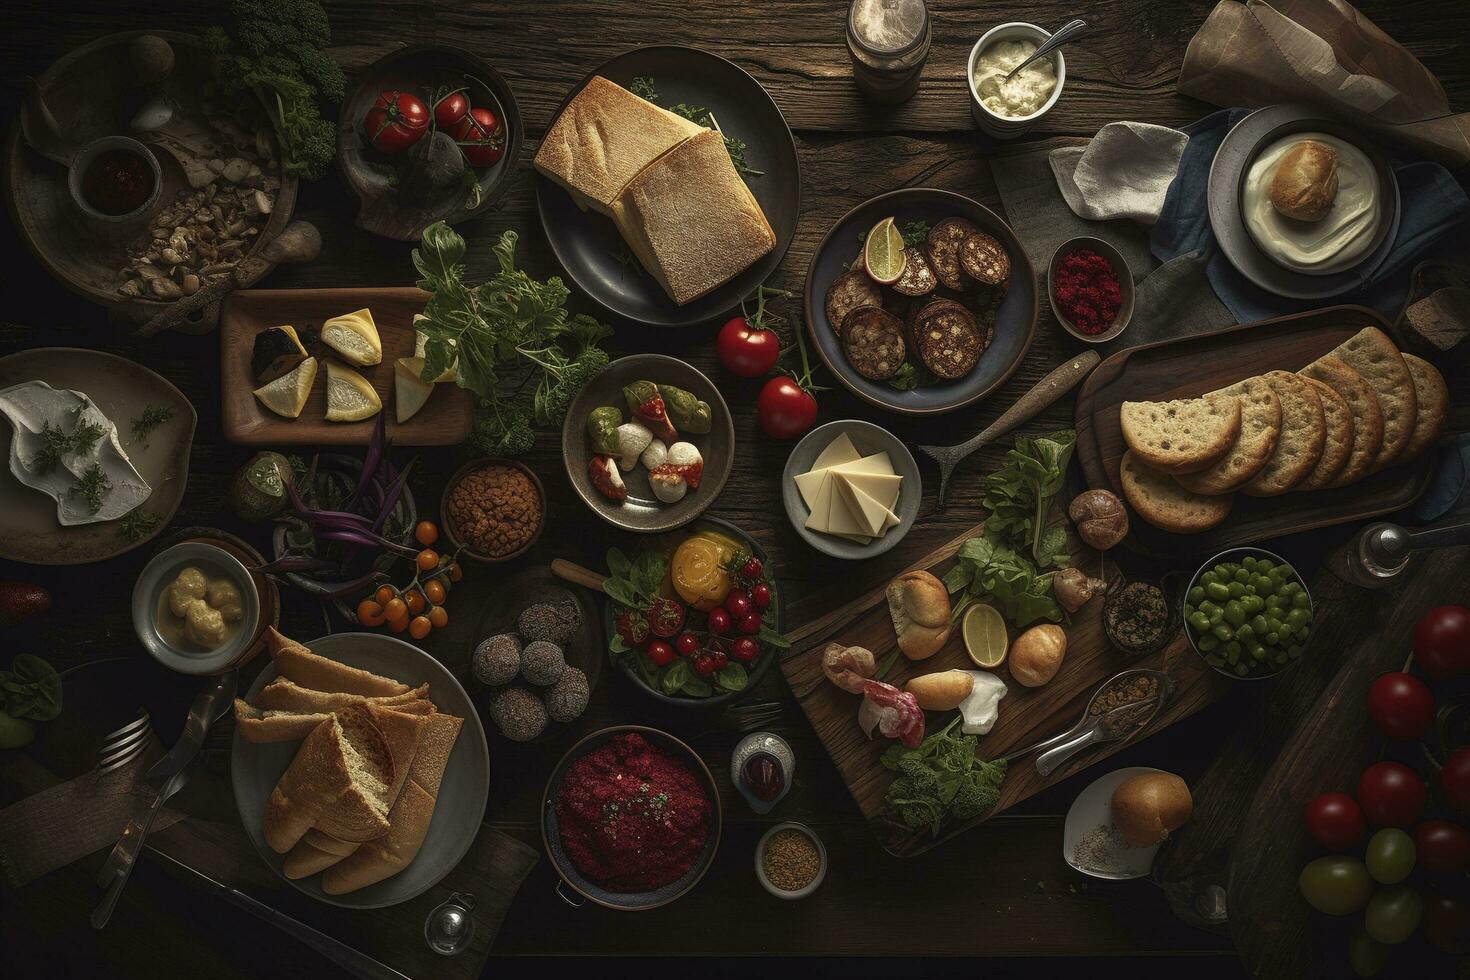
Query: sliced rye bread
(918, 277)
(1338, 445)
(329, 771)
(1433, 404)
(1372, 354)
(852, 289)
(872, 339)
(985, 260)
(1303, 433)
(1260, 427)
(943, 245)
(1159, 499)
(1367, 415)
(1180, 436)
(947, 340)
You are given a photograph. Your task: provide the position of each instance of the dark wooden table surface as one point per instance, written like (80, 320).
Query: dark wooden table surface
(1003, 890)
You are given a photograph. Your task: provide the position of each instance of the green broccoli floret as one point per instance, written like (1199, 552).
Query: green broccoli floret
(973, 799)
(561, 382)
(503, 430)
(920, 778)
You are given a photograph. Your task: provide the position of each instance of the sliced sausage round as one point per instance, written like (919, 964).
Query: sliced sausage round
(872, 338)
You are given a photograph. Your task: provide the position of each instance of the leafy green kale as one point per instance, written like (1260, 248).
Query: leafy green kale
(988, 571)
(277, 52)
(518, 348)
(941, 779)
(1019, 495)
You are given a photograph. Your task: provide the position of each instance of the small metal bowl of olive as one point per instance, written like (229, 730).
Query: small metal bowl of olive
(1248, 613)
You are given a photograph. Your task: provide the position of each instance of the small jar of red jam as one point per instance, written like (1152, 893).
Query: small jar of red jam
(115, 179)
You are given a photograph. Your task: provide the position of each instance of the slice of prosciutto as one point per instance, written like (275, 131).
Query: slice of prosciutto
(893, 712)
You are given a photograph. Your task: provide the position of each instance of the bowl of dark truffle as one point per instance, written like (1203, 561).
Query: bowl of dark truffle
(537, 665)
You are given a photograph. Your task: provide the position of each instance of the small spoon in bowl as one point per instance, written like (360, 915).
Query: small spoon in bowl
(1069, 31)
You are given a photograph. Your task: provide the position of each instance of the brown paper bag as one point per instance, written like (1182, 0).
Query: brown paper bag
(1326, 54)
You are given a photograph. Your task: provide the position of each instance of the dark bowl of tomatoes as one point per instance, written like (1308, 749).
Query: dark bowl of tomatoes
(430, 133)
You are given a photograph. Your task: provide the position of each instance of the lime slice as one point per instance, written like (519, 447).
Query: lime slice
(985, 635)
(883, 254)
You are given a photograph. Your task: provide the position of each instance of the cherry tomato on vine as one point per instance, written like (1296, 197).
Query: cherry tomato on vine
(660, 653)
(1454, 781)
(1335, 821)
(1401, 705)
(396, 121)
(395, 609)
(747, 350)
(370, 613)
(745, 649)
(1442, 642)
(434, 591)
(449, 113)
(426, 533)
(481, 137)
(419, 627)
(1391, 794)
(415, 601)
(785, 409)
(439, 616)
(427, 560)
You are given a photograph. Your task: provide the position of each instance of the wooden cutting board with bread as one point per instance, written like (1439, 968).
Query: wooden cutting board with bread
(1256, 431)
(912, 623)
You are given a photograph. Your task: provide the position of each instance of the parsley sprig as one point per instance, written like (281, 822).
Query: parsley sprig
(643, 87)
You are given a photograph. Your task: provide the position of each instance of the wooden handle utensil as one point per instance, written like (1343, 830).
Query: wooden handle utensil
(571, 572)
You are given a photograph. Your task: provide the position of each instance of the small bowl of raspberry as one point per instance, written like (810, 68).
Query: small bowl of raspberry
(1091, 289)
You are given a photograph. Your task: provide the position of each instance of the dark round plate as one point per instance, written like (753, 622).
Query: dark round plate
(1241, 145)
(420, 69)
(762, 663)
(1015, 322)
(629, 901)
(589, 246)
(642, 511)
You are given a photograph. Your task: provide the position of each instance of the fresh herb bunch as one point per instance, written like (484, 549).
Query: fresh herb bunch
(56, 442)
(137, 525)
(277, 52)
(30, 688)
(643, 87)
(987, 571)
(153, 416)
(913, 232)
(92, 487)
(941, 779)
(519, 350)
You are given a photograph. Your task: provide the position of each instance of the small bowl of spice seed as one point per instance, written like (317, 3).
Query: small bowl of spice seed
(790, 861)
(493, 510)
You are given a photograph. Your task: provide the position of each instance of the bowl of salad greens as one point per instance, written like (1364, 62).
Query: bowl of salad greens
(1248, 613)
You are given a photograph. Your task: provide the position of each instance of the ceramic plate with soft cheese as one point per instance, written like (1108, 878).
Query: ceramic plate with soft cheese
(29, 407)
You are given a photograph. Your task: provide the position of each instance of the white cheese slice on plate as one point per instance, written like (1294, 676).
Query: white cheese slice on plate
(821, 506)
(881, 487)
(876, 463)
(872, 515)
(838, 452)
(842, 520)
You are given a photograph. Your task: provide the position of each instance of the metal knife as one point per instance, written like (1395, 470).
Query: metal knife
(164, 779)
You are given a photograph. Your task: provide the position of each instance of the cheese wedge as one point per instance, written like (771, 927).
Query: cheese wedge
(355, 337)
(410, 391)
(883, 488)
(838, 451)
(287, 394)
(869, 514)
(842, 519)
(821, 506)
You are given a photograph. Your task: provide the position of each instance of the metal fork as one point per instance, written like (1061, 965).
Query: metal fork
(124, 744)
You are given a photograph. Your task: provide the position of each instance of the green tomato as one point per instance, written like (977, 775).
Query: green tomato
(1390, 856)
(15, 732)
(1393, 914)
(1336, 885)
(1366, 955)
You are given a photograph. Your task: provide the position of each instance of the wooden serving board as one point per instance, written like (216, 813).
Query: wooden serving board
(1191, 366)
(443, 421)
(1027, 715)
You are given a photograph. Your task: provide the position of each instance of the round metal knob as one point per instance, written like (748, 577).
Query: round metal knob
(1389, 545)
(449, 927)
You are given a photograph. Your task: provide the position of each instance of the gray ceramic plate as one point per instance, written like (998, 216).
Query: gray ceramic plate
(1249, 137)
(867, 438)
(216, 563)
(642, 511)
(255, 770)
(121, 389)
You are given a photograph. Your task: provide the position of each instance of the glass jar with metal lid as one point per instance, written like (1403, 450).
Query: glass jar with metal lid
(888, 41)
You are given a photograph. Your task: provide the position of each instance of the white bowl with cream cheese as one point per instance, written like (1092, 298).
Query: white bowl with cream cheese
(1341, 239)
(1006, 109)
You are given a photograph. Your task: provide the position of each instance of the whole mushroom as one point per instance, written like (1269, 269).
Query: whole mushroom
(1101, 518)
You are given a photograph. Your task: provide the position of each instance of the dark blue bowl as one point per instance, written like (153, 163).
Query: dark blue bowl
(628, 901)
(1015, 321)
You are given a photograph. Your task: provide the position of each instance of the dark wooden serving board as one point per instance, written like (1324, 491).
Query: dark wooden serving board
(443, 421)
(1027, 715)
(1190, 367)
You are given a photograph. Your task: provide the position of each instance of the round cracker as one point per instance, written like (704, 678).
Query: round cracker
(1180, 436)
(1159, 499)
(1372, 354)
(1338, 445)
(1303, 432)
(1260, 428)
(1433, 399)
(1367, 416)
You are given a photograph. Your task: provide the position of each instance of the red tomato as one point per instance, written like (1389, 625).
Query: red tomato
(686, 644)
(737, 603)
(1442, 846)
(750, 623)
(1335, 821)
(1442, 642)
(784, 409)
(745, 350)
(1391, 794)
(1454, 781)
(665, 617)
(481, 137)
(760, 595)
(449, 112)
(396, 121)
(660, 653)
(745, 649)
(1401, 705)
(719, 621)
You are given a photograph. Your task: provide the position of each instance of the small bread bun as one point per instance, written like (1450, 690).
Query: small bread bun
(919, 605)
(1148, 806)
(1305, 183)
(1037, 654)
(941, 690)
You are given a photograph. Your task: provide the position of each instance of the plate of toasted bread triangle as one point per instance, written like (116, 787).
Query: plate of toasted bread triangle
(360, 768)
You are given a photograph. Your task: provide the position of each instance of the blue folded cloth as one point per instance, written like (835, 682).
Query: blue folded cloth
(1431, 203)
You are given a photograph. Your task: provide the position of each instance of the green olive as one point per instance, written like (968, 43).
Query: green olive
(1236, 590)
(1196, 595)
(1223, 633)
(1336, 885)
(1199, 621)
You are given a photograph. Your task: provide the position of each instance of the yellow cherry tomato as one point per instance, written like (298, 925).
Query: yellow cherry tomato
(385, 594)
(419, 627)
(434, 589)
(455, 572)
(400, 624)
(427, 559)
(395, 609)
(439, 616)
(370, 613)
(426, 533)
(415, 600)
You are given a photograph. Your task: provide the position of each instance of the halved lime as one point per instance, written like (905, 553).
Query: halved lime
(985, 635)
(883, 254)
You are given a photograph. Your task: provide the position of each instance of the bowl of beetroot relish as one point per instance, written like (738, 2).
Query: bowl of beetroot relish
(630, 818)
(1090, 288)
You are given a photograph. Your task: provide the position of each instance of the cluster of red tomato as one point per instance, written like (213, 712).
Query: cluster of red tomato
(1394, 797)
(418, 607)
(730, 628)
(399, 119)
(749, 346)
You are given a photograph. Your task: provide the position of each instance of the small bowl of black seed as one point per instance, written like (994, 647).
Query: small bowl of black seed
(527, 682)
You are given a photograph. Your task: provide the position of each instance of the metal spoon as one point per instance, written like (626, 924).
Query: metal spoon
(1094, 728)
(1071, 30)
(1056, 384)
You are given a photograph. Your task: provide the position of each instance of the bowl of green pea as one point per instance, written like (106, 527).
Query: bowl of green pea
(1247, 613)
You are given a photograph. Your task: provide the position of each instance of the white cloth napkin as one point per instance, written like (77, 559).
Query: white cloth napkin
(1124, 172)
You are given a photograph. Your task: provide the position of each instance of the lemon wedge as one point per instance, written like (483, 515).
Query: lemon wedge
(350, 398)
(287, 394)
(985, 635)
(421, 349)
(409, 390)
(883, 254)
(355, 337)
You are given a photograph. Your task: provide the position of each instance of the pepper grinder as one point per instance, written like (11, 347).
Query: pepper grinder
(449, 927)
(1380, 551)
